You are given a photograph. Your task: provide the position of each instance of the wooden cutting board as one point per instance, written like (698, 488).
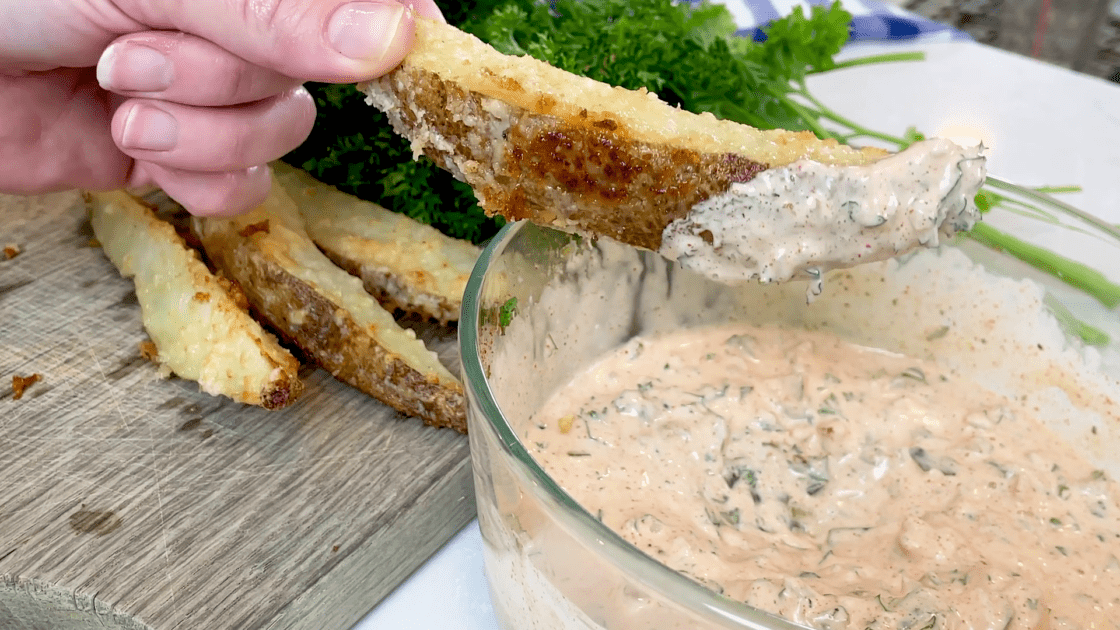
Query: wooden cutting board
(131, 501)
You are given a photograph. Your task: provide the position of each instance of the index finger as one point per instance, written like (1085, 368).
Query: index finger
(316, 40)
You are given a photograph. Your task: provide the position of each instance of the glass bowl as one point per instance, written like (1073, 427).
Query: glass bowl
(542, 304)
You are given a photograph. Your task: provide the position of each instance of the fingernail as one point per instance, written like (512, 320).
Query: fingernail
(365, 30)
(150, 129)
(129, 67)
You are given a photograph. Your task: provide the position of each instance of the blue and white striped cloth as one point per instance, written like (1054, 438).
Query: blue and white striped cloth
(871, 20)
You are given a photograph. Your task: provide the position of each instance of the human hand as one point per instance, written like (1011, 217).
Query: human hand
(195, 97)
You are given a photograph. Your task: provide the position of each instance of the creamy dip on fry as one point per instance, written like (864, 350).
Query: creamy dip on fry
(836, 485)
(806, 218)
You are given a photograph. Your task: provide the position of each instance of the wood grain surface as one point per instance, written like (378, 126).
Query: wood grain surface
(131, 501)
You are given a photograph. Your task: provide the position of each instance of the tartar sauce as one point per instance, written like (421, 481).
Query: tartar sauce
(806, 218)
(835, 485)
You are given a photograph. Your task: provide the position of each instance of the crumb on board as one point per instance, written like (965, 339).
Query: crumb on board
(21, 383)
(11, 251)
(149, 351)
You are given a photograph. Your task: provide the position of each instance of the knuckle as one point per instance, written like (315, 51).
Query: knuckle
(238, 149)
(238, 86)
(271, 15)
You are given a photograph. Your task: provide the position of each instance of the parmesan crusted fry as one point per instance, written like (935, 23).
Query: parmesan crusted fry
(402, 262)
(199, 331)
(327, 313)
(725, 199)
(536, 142)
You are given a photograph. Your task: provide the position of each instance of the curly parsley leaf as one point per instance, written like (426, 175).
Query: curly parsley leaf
(687, 53)
(353, 148)
(797, 45)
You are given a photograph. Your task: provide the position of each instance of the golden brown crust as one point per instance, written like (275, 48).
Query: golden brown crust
(588, 176)
(402, 263)
(326, 331)
(583, 156)
(625, 189)
(383, 285)
(283, 391)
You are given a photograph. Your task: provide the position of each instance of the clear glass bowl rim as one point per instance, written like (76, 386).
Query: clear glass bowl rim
(651, 574)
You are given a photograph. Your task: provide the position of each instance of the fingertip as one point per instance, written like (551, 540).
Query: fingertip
(373, 36)
(214, 194)
(105, 66)
(429, 9)
(129, 65)
(303, 116)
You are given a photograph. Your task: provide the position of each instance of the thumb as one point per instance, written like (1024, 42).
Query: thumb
(316, 40)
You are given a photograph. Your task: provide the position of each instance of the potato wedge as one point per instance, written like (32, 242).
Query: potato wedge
(537, 142)
(198, 329)
(327, 313)
(725, 199)
(403, 263)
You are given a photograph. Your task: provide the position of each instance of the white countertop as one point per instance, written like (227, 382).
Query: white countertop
(1044, 126)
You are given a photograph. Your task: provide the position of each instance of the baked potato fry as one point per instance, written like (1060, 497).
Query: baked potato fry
(403, 263)
(327, 313)
(197, 327)
(538, 143)
(726, 200)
